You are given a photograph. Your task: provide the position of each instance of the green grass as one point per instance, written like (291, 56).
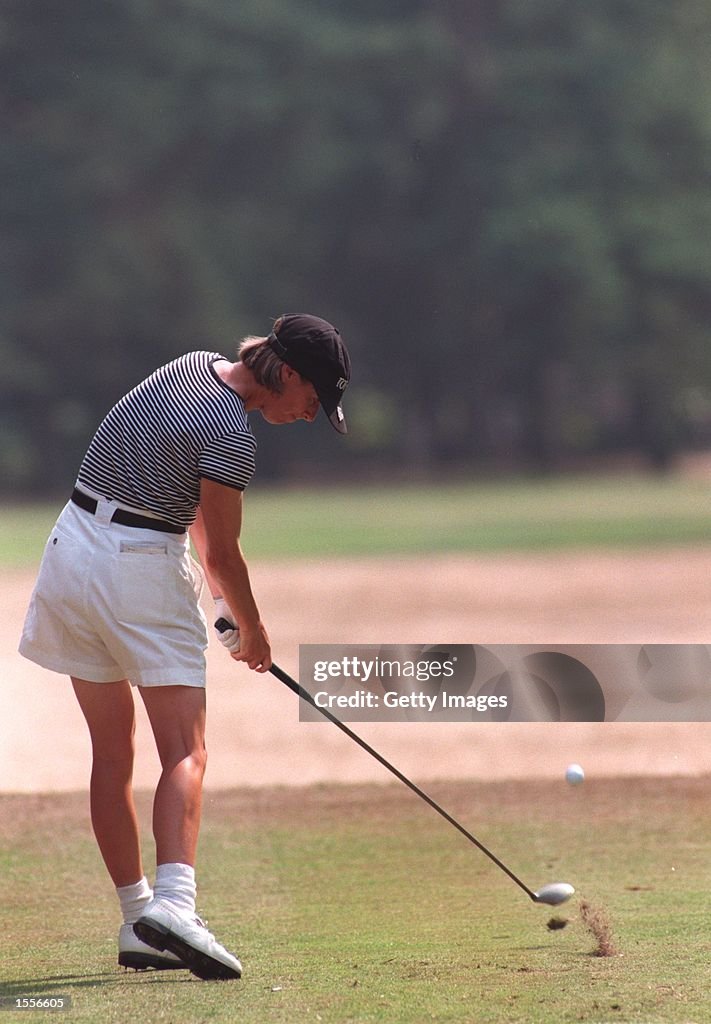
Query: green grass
(479, 517)
(358, 904)
(520, 515)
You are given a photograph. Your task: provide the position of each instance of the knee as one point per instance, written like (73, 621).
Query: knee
(193, 766)
(113, 766)
(193, 759)
(116, 751)
(199, 758)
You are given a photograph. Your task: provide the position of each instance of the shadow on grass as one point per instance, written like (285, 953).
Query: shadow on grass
(65, 984)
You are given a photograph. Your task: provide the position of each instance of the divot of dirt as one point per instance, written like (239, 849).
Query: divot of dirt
(598, 924)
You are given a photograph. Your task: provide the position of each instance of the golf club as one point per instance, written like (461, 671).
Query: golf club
(552, 894)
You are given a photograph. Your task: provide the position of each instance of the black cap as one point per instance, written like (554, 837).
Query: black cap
(315, 349)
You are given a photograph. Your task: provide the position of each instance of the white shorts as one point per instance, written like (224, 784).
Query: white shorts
(115, 602)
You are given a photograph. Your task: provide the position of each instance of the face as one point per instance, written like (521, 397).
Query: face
(298, 400)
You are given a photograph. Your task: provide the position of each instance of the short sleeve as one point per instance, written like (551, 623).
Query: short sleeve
(229, 460)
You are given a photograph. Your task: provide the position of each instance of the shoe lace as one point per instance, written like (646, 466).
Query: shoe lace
(203, 924)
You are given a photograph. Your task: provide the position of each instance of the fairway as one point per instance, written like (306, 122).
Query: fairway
(543, 514)
(355, 904)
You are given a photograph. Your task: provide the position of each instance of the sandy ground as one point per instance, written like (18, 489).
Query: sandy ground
(254, 734)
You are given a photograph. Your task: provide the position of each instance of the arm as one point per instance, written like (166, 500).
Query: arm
(215, 534)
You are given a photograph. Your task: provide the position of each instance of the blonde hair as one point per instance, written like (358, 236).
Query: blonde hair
(266, 366)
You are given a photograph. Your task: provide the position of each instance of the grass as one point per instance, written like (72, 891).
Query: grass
(521, 515)
(357, 904)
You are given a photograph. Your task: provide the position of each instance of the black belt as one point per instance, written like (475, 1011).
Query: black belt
(125, 518)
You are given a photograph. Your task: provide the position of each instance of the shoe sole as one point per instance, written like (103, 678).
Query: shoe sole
(144, 962)
(203, 966)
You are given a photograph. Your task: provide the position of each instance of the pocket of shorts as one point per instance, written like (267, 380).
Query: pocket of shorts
(146, 583)
(63, 568)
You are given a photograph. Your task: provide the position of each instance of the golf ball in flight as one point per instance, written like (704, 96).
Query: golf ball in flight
(574, 774)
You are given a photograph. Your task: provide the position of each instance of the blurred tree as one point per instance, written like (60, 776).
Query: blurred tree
(594, 243)
(502, 205)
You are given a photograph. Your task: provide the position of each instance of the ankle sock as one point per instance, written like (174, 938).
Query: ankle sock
(134, 899)
(175, 883)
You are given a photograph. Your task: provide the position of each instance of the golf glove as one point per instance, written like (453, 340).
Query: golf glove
(230, 637)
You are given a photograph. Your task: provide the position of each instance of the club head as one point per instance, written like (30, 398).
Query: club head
(555, 893)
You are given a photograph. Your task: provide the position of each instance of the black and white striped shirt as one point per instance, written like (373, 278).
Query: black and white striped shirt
(179, 425)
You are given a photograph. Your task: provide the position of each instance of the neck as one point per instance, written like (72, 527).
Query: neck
(241, 380)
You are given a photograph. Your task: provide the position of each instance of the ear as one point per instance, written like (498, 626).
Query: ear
(287, 372)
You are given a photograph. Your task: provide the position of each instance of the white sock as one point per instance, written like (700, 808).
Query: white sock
(175, 883)
(134, 899)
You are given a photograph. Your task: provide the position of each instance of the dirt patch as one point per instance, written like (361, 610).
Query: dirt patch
(534, 804)
(256, 739)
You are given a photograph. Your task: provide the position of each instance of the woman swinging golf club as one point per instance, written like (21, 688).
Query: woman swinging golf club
(114, 603)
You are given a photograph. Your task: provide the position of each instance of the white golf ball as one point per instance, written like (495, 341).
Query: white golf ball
(574, 774)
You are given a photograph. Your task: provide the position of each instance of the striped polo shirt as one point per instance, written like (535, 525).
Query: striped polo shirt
(181, 424)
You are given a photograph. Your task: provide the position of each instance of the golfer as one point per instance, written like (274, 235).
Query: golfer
(115, 601)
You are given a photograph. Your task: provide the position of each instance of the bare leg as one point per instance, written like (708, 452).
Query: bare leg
(177, 717)
(109, 713)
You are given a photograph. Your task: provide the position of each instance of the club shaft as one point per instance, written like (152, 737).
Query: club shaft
(306, 696)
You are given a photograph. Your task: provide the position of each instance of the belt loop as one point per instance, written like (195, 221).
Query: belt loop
(104, 511)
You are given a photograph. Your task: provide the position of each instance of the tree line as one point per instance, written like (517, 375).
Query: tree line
(504, 206)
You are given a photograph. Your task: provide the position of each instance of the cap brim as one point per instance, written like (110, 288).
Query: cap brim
(333, 409)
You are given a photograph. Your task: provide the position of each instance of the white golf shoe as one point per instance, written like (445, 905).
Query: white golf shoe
(163, 928)
(136, 954)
